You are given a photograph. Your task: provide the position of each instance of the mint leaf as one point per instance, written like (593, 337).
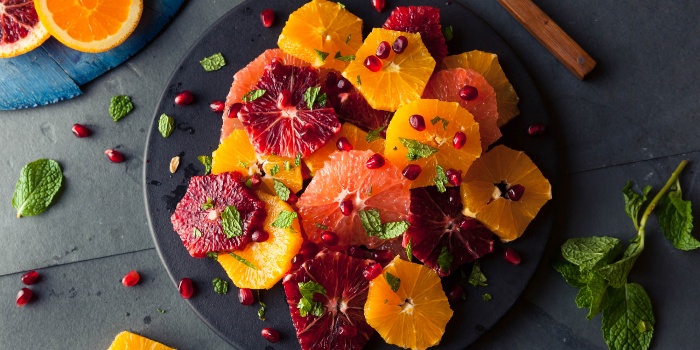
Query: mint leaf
(448, 33)
(231, 222)
(208, 204)
(374, 134)
(572, 274)
(440, 179)
(676, 219)
(393, 281)
(284, 219)
(38, 183)
(213, 62)
(261, 311)
(242, 164)
(220, 286)
(590, 252)
(445, 259)
(347, 58)
(249, 183)
(393, 229)
(477, 278)
(634, 202)
(274, 170)
(297, 159)
(253, 95)
(486, 297)
(417, 150)
(281, 190)
(628, 320)
(306, 304)
(322, 55)
(347, 40)
(243, 261)
(166, 125)
(321, 226)
(359, 81)
(371, 222)
(206, 160)
(592, 296)
(435, 120)
(120, 106)
(616, 273)
(196, 232)
(409, 249)
(313, 96)
(213, 255)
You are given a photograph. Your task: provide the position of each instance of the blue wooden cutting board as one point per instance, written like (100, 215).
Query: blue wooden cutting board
(54, 72)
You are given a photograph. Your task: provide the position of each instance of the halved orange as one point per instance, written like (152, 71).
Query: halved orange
(90, 25)
(357, 138)
(130, 341)
(20, 29)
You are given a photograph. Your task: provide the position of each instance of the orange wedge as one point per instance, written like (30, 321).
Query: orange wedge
(357, 138)
(130, 341)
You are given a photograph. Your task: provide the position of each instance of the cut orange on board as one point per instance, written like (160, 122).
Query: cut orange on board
(130, 341)
(504, 190)
(445, 85)
(412, 311)
(261, 265)
(442, 120)
(20, 28)
(323, 33)
(90, 25)
(486, 64)
(401, 78)
(355, 136)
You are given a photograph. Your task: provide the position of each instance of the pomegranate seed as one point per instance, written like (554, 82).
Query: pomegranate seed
(515, 192)
(372, 271)
(185, 288)
(459, 140)
(330, 238)
(293, 198)
(343, 144)
(284, 99)
(270, 334)
(376, 161)
(536, 129)
(400, 44)
(347, 331)
(297, 260)
(114, 156)
(457, 294)
(30, 277)
(411, 171)
(331, 80)
(468, 93)
(245, 296)
(308, 250)
(512, 256)
(382, 256)
(184, 98)
(131, 279)
(346, 207)
(417, 122)
(383, 50)
(378, 5)
(24, 296)
(454, 177)
(80, 130)
(255, 180)
(267, 17)
(234, 109)
(259, 236)
(373, 63)
(217, 106)
(343, 84)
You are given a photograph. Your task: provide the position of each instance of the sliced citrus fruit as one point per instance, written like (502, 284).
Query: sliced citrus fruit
(262, 264)
(90, 26)
(356, 138)
(323, 33)
(346, 179)
(352, 107)
(504, 190)
(286, 170)
(434, 145)
(401, 78)
(20, 28)
(445, 85)
(130, 341)
(235, 153)
(486, 64)
(420, 19)
(412, 311)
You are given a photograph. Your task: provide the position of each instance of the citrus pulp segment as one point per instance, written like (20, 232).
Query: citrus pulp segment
(130, 341)
(235, 153)
(20, 29)
(354, 135)
(424, 20)
(282, 169)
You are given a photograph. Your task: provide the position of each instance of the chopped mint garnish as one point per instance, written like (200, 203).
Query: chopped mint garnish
(321, 226)
(347, 58)
(213, 255)
(248, 183)
(120, 106)
(243, 261)
(486, 297)
(284, 219)
(220, 286)
(374, 134)
(242, 164)
(312, 96)
(274, 170)
(206, 160)
(322, 55)
(477, 278)
(297, 160)
(261, 311)
(166, 125)
(347, 40)
(435, 120)
(445, 259)
(417, 150)
(231, 222)
(196, 232)
(448, 32)
(38, 183)
(440, 179)
(253, 95)
(393, 281)
(213, 62)
(161, 310)
(306, 304)
(208, 205)
(409, 249)
(359, 81)
(282, 191)
(374, 227)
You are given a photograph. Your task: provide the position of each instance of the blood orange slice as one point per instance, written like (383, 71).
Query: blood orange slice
(424, 20)
(20, 28)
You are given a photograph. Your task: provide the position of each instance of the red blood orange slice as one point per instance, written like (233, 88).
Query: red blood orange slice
(20, 29)
(424, 20)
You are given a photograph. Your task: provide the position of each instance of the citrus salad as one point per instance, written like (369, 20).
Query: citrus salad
(359, 173)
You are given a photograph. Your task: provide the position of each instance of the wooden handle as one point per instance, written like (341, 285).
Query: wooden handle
(549, 34)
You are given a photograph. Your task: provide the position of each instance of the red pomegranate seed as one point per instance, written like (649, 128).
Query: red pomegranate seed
(515, 192)
(343, 144)
(185, 288)
(346, 207)
(343, 84)
(459, 140)
(331, 80)
(259, 236)
(217, 106)
(297, 260)
(284, 99)
(80, 130)
(131, 279)
(512, 256)
(376, 161)
(330, 238)
(24, 296)
(383, 50)
(382, 256)
(373, 63)
(308, 250)
(270, 334)
(457, 294)
(267, 17)
(454, 177)
(234, 109)
(378, 5)
(346, 331)
(184, 98)
(372, 271)
(400, 44)
(411, 171)
(417, 122)
(245, 296)
(293, 198)
(255, 180)
(30, 277)
(468, 93)
(536, 129)
(114, 156)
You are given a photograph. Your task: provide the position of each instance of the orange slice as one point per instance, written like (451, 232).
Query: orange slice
(413, 316)
(284, 169)
(357, 138)
(90, 25)
(130, 341)
(20, 29)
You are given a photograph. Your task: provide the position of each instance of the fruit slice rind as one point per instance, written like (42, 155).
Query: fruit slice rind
(35, 36)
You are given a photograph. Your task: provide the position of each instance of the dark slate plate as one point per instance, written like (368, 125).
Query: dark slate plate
(240, 36)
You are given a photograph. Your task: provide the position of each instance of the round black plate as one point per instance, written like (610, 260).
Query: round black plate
(240, 37)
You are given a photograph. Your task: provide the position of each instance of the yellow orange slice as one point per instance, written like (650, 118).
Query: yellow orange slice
(130, 341)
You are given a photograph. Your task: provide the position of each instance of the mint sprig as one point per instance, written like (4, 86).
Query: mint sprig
(206, 161)
(213, 62)
(281, 190)
(231, 222)
(417, 150)
(119, 107)
(38, 183)
(393, 281)
(374, 228)
(285, 219)
(253, 95)
(306, 304)
(313, 96)
(440, 179)
(166, 125)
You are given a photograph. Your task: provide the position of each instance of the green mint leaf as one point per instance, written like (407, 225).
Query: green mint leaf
(393, 281)
(274, 170)
(282, 191)
(628, 319)
(477, 277)
(486, 297)
(248, 183)
(341, 5)
(213, 62)
(242, 164)
(374, 134)
(676, 219)
(322, 55)
(359, 81)
(347, 58)
(253, 95)
(166, 125)
(321, 226)
(347, 40)
(417, 150)
(634, 202)
(308, 289)
(206, 160)
(435, 120)
(243, 261)
(616, 274)
(161, 310)
(261, 311)
(120, 106)
(310, 96)
(440, 179)
(208, 205)
(38, 183)
(590, 252)
(231, 222)
(448, 32)
(285, 219)
(297, 160)
(213, 255)
(317, 309)
(592, 296)
(196, 232)
(409, 249)
(393, 229)
(572, 274)
(287, 166)
(306, 304)
(445, 259)
(220, 286)
(371, 222)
